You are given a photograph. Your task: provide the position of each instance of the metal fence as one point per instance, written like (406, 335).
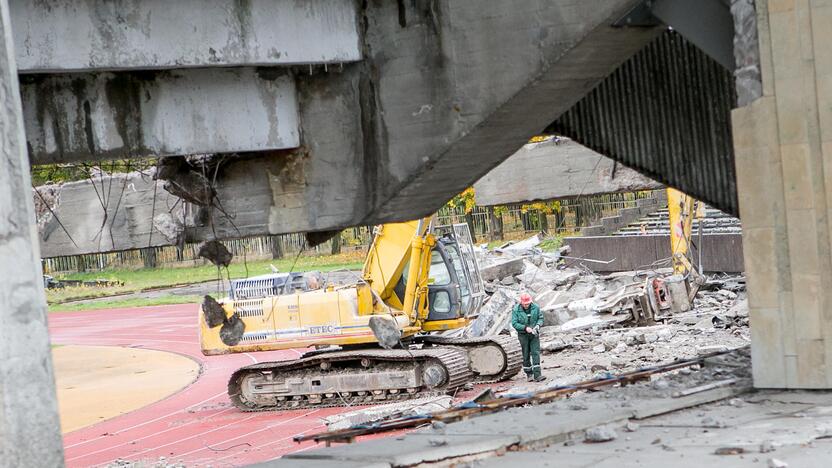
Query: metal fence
(251, 248)
(520, 220)
(486, 223)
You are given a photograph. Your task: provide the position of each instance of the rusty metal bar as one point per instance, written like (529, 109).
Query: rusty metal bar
(471, 409)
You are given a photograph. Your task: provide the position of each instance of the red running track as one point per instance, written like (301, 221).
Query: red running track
(197, 425)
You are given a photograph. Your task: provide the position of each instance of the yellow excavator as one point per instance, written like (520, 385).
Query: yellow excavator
(372, 338)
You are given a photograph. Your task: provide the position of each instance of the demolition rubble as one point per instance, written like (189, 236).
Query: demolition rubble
(616, 322)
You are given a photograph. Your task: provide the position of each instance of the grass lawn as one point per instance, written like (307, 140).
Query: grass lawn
(116, 303)
(138, 280)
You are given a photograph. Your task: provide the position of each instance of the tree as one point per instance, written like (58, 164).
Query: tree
(336, 244)
(543, 209)
(468, 201)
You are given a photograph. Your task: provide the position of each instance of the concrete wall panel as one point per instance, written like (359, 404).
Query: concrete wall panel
(553, 169)
(87, 35)
(720, 252)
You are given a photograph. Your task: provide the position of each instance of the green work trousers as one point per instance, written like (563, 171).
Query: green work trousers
(530, 344)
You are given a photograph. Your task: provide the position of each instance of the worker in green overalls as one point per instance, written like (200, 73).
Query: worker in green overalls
(527, 320)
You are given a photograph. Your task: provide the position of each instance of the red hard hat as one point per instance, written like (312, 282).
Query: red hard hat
(525, 299)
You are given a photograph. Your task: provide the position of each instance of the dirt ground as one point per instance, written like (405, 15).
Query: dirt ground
(96, 383)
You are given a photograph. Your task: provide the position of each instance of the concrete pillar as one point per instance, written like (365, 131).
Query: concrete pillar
(30, 432)
(783, 145)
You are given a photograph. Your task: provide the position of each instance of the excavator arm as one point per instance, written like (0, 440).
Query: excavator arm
(397, 246)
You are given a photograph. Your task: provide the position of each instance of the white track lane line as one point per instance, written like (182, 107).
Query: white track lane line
(132, 455)
(145, 437)
(120, 431)
(253, 432)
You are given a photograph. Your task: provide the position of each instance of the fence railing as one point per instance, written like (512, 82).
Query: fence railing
(486, 223)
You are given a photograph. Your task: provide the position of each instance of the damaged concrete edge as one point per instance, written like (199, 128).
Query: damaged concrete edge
(465, 447)
(386, 212)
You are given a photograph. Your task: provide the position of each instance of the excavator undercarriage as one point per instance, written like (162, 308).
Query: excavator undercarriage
(369, 376)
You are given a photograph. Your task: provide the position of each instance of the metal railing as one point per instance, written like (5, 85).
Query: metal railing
(487, 223)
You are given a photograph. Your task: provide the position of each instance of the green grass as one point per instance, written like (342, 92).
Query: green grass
(116, 303)
(147, 278)
(551, 244)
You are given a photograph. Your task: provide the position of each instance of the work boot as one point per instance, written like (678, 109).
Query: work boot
(529, 378)
(539, 378)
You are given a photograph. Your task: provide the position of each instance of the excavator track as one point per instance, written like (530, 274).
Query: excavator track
(494, 347)
(346, 378)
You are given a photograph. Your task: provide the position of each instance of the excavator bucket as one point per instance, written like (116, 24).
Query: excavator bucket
(386, 331)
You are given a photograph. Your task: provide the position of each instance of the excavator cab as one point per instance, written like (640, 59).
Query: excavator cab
(455, 290)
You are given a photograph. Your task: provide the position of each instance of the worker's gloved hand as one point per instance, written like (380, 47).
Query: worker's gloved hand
(529, 330)
(537, 330)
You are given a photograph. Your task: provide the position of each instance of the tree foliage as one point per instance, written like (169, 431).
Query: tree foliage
(467, 199)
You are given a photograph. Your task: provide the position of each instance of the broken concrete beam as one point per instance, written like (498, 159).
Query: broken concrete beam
(496, 311)
(501, 269)
(376, 413)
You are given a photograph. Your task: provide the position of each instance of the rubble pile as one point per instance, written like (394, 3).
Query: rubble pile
(610, 323)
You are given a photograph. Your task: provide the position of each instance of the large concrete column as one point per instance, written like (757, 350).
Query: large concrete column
(783, 143)
(30, 432)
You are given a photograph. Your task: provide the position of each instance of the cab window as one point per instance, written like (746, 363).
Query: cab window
(438, 270)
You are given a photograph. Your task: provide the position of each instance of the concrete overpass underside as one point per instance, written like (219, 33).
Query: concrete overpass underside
(414, 103)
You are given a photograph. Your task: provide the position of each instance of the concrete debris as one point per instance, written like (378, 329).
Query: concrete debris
(554, 345)
(775, 463)
(600, 434)
(375, 413)
(47, 198)
(661, 384)
(216, 252)
(619, 362)
(186, 181)
(524, 247)
(729, 451)
(631, 427)
(502, 269)
(619, 322)
(162, 462)
(439, 426)
(766, 446)
(495, 315)
(703, 350)
(169, 226)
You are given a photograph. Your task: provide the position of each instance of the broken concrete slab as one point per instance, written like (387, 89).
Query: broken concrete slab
(523, 247)
(376, 413)
(411, 449)
(494, 315)
(502, 268)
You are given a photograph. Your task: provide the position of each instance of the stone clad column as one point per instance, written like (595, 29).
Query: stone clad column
(783, 146)
(30, 432)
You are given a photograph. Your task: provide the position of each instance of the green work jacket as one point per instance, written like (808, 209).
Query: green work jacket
(520, 319)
